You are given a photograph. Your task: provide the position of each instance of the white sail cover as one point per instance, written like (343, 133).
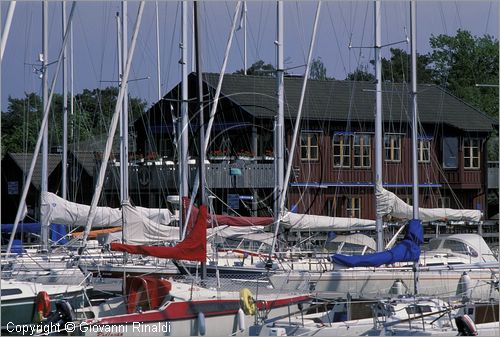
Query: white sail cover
(140, 230)
(57, 210)
(389, 204)
(306, 222)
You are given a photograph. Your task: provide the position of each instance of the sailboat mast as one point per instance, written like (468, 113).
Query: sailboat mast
(245, 60)
(201, 120)
(64, 186)
(183, 132)
(6, 30)
(124, 190)
(279, 123)
(378, 122)
(414, 124)
(158, 69)
(45, 140)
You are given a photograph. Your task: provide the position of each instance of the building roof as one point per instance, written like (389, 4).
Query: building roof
(350, 100)
(23, 160)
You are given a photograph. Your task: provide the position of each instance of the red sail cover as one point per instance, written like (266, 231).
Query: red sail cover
(192, 248)
(237, 221)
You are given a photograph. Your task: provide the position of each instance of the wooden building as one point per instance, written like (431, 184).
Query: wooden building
(333, 166)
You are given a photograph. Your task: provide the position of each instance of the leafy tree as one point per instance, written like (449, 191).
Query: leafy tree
(259, 68)
(397, 69)
(318, 70)
(460, 62)
(361, 74)
(93, 111)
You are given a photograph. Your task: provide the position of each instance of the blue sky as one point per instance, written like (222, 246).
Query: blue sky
(340, 22)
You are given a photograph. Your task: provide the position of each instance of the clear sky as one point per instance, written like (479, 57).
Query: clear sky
(95, 61)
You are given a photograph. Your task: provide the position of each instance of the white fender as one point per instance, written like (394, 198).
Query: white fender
(241, 319)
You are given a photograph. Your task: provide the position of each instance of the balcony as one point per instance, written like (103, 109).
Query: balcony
(160, 175)
(493, 167)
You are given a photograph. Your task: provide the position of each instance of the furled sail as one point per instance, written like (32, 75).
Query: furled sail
(57, 210)
(389, 204)
(303, 222)
(408, 250)
(192, 248)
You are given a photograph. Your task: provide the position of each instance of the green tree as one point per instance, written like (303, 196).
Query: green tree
(259, 68)
(361, 74)
(460, 62)
(318, 70)
(93, 111)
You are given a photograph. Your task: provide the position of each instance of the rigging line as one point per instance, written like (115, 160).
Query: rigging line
(171, 49)
(87, 45)
(300, 27)
(336, 39)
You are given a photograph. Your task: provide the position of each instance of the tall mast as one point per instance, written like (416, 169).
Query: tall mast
(112, 129)
(279, 173)
(6, 30)
(414, 123)
(45, 140)
(124, 192)
(245, 60)
(38, 144)
(65, 109)
(378, 122)
(201, 119)
(158, 69)
(183, 132)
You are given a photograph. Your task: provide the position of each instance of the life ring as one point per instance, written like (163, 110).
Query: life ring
(246, 302)
(42, 306)
(465, 326)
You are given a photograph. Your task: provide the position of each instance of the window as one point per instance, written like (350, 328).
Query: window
(354, 207)
(392, 144)
(450, 152)
(341, 150)
(309, 146)
(471, 153)
(424, 151)
(362, 150)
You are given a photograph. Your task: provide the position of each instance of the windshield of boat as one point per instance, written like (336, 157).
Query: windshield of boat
(453, 245)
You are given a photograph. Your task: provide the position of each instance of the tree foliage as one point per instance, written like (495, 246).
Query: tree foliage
(318, 70)
(92, 114)
(259, 68)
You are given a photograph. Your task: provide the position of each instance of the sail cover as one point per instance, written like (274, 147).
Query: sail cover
(390, 205)
(304, 222)
(407, 250)
(192, 248)
(57, 210)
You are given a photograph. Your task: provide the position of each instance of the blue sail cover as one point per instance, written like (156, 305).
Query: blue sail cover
(407, 250)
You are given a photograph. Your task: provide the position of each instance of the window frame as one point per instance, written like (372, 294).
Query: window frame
(308, 146)
(353, 211)
(345, 143)
(393, 148)
(421, 150)
(361, 147)
(468, 153)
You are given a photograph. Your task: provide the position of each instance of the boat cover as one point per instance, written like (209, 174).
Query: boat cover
(192, 248)
(407, 250)
(57, 210)
(306, 222)
(389, 204)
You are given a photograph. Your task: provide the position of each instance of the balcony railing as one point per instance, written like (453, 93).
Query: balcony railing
(161, 175)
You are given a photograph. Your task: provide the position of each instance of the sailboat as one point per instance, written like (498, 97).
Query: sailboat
(363, 276)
